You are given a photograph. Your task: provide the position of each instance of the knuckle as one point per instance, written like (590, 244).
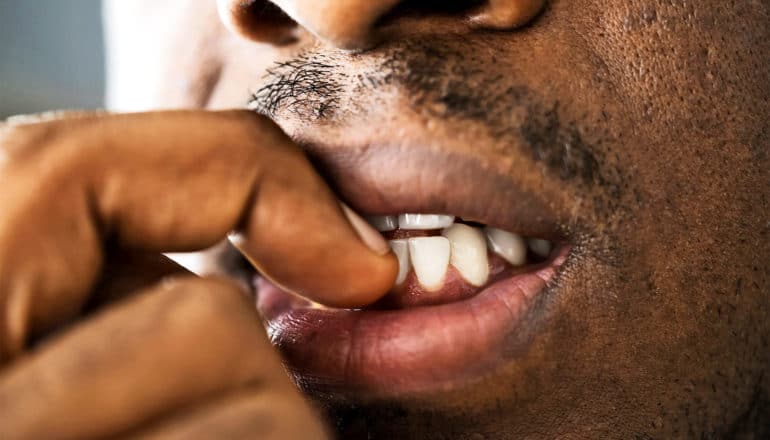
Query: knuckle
(24, 138)
(16, 139)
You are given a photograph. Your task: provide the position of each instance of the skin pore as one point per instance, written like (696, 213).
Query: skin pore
(643, 123)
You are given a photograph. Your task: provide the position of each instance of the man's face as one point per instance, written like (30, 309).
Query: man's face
(634, 132)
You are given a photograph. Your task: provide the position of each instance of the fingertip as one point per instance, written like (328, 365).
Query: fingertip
(370, 236)
(366, 285)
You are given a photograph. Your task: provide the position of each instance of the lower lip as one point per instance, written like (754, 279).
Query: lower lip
(395, 352)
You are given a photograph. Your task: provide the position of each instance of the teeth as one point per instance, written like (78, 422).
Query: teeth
(424, 221)
(401, 249)
(469, 253)
(383, 223)
(463, 246)
(541, 248)
(430, 259)
(510, 246)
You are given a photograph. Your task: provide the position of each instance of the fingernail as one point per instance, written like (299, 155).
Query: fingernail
(370, 236)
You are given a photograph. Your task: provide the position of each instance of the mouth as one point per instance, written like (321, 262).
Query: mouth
(462, 290)
(473, 281)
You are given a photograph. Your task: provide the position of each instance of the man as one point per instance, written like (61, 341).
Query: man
(626, 143)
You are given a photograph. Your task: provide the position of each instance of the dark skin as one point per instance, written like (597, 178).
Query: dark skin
(657, 326)
(659, 329)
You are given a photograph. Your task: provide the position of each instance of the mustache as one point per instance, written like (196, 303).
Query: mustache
(447, 81)
(306, 87)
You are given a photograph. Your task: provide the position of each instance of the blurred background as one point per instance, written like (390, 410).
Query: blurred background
(51, 55)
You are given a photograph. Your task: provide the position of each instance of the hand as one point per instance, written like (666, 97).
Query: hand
(87, 199)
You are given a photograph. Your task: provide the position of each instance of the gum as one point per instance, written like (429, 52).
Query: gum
(411, 294)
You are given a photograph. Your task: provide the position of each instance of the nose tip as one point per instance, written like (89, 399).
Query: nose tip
(346, 24)
(352, 24)
(507, 14)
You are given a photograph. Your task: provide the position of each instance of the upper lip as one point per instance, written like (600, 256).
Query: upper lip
(386, 179)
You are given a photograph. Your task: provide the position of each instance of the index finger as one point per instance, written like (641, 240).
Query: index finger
(170, 182)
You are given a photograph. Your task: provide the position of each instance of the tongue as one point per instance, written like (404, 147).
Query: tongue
(411, 293)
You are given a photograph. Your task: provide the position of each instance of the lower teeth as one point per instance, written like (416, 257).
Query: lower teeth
(462, 246)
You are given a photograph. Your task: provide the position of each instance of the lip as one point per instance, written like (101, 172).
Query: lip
(381, 353)
(396, 353)
(380, 179)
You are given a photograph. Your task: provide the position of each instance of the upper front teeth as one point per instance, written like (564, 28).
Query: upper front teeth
(384, 223)
(424, 221)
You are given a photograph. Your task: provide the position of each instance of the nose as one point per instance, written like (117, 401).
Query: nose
(355, 24)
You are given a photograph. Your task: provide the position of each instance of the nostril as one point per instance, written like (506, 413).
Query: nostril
(360, 24)
(268, 12)
(258, 20)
